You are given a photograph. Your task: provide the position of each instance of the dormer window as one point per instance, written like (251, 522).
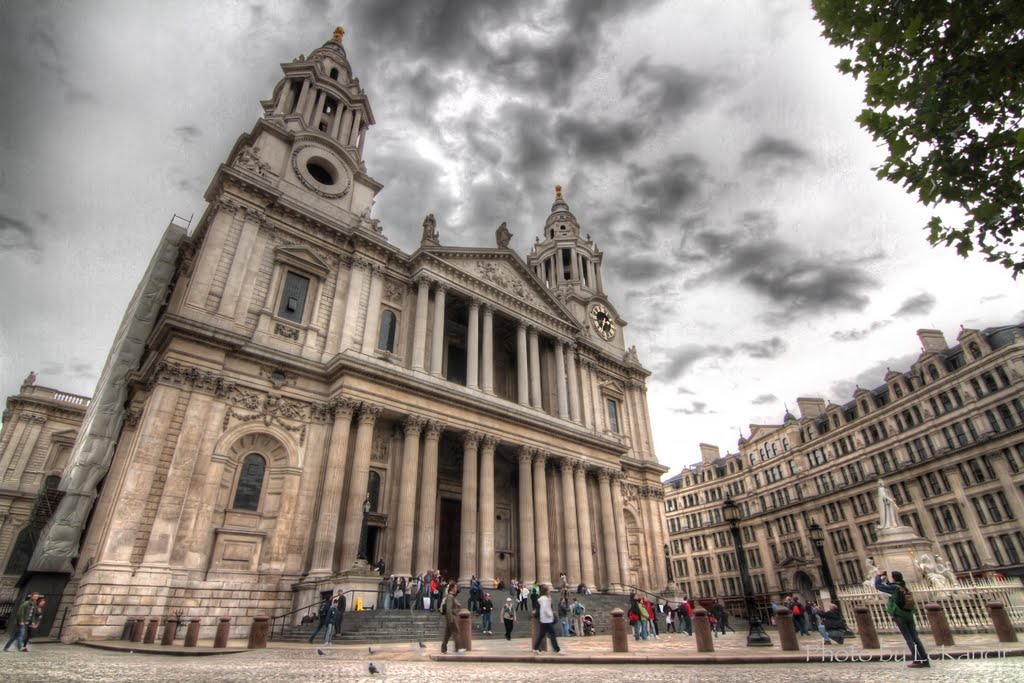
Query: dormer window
(933, 372)
(975, 350)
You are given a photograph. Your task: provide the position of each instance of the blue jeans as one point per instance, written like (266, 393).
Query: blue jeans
(329, 635)
(908, 629)
(487, 625)
(18, 634)
(565, 626)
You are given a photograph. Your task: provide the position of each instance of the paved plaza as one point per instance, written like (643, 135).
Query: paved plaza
(589, 658)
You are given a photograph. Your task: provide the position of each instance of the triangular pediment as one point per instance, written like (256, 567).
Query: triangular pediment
(791, 561)
(762, 431)
(500, 272)
(301, 254)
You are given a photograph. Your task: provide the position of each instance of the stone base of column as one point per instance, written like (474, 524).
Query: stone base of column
(364, 584)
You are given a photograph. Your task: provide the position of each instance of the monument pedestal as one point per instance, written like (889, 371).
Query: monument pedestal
(897, 549)
(364, 582)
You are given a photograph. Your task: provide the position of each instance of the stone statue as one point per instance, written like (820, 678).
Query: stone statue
(932, 572)
(946, 569)
(430, 230)
(30, 380)
(249, 159)
(869, 582)
(887, 509)
(503, 235)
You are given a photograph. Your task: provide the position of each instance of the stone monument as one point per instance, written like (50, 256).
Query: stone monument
(898, 546)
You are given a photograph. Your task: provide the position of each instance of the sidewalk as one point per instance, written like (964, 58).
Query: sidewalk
(668, 649)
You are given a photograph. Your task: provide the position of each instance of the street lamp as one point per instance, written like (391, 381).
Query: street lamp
(818, 538)
(668, 567)
(756, 636)
(363, 534)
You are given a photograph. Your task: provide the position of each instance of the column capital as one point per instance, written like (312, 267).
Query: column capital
(532, 330)
(439, 286)
(422, 280)
(525, 454)
(606, 474)
(341, 406)
(569, 463)
(434, 429)
(413, 425)
(368, 413)
(471, 439)
(357, 261)
(540, 457)
(486, 308)
(581, 467)
(474, 302)
(489, 443)
(521, 324)
(376, 269)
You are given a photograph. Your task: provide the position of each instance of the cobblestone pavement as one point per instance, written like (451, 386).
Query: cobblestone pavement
(74, 664)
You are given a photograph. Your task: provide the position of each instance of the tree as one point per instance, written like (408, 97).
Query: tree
(944, 92)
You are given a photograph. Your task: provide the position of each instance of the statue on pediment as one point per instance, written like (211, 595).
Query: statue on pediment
(502, 235)
(430, 234)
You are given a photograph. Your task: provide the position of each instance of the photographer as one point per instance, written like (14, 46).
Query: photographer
(901, 607)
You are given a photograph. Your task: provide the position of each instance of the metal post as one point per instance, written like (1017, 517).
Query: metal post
(756, 636)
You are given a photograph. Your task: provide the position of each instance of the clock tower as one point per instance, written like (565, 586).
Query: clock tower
(570, 266)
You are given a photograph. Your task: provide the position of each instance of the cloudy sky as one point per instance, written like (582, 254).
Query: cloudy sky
(709, 148)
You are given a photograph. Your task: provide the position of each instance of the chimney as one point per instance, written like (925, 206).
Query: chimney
(810, 407)
(933, 341)
(709, 453)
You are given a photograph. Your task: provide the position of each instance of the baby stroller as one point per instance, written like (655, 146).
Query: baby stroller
(588, 625)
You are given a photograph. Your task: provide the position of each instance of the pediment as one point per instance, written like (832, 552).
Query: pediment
(791, 561)
(761, 431)
(301, 254)
(501, 271)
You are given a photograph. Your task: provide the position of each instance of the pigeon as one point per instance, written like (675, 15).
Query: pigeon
(370, 650)
(320, 652)
(373, 669)
(422, 644)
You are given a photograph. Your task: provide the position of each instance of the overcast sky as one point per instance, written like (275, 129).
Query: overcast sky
(709, 148)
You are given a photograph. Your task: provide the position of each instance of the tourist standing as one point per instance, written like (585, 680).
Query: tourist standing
(333, 617)
(486, 607)
(508, 615)
(325, 606)
(546, 617)
(577, 611)
(900, 606)
(450, 608)
(25, 616)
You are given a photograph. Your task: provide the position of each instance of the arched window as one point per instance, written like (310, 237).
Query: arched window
(933, 371)
(334, 74)
(51, 483)
(22, 551)
(250, 483)
(975, 350)
(373, 489)
(388, 325)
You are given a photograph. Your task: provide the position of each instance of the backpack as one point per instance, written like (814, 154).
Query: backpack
(901, 603)
(578, 609)
(323, 610)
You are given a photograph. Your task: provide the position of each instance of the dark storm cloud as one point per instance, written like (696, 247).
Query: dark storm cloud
(919, 304)
(859, 333)
(188, 133)
(531, 139)
(769, 348)
(696, 408)
(661, 189)
(765, 399)
(596, 140)
(871, 377)
(683, 358)
(664, 90)
(635, 268)
(17, 235)
(770, 149)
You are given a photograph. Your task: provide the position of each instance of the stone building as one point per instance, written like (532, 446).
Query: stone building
(947, 436)
(284, 364)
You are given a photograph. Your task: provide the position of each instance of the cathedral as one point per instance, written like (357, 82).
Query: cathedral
(291, 399)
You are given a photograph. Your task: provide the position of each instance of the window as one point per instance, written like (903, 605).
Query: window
(22, 551)
(293, 297)
(388, 326)
(613, 415)
(250, 483)
(898, 390)
(933, 371)
(975, 350)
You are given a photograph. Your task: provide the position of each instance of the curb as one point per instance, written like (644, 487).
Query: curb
(141, 649)
(816, 658)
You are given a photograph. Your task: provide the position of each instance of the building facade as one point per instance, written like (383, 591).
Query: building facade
(483, 406)
(946, 436)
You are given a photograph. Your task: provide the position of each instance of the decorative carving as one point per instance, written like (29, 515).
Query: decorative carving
(381, 449)
(434, 429)
(368, 223)
(368, 413)
(631, 356)
(34, 419)
(249, 159)
(344, 180)
(413, 425)
(503, 278)
(503, 236)
(488, 443)
(525, 454)
(342, 407)
(272, 409)
(286, 331)
(569, 463)
(277, 377)
(132, 417)
(393, 292)
(471, 439)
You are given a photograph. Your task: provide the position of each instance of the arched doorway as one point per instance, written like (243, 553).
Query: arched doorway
(803, 585)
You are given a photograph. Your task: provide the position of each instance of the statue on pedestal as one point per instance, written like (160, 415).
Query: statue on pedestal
(888, 517)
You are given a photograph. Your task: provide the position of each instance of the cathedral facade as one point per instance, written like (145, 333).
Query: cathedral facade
(292, 398)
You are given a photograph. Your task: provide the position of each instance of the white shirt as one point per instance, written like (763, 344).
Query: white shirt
(547, 616)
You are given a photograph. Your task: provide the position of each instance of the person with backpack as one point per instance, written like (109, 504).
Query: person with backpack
(901, 605)
(577, 610)
(321, 616)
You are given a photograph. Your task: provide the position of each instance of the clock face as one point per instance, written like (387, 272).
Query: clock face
(603, 322)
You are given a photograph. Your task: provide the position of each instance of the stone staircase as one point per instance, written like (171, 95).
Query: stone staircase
(382, 626)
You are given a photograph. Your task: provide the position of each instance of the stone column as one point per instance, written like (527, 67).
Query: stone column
(318, 109)
(437, 344)
(334, 480)
(346, 126)
(337, 322)
(527, 558)
(469, 489)
(572, 540)
(486, 521)
(560, 381)
(540, 516)
(583, 520)
(357, 488)
(611, 557)
(425, 544)
(535, 396)
(356, 123)
(586, 400)
(240, 262)
(653, 536)
(522, 376)
(473, 346)
(371, 329)
(574, 387)
(419, 330)
(303, 94)
(621, 541)
(487, 354)
(355, 290)
(405, 529)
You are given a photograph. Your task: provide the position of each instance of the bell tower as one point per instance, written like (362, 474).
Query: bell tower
(562, 259)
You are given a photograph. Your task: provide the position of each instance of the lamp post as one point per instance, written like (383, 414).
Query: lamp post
(756, 636)
(363, 534)
(668, 567)
(818, 538)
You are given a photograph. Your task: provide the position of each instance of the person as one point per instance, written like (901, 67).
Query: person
(652, 616)
(645, 620)
(799, 616)
(325, 606)
(435, 592)
(670, 613)
(508, 615)
(25, 616)
(718, 612)
(577, 611)
(634, 615)
(486, 607)
(40, 607)
(831, 625)
(686, 613)
(563, 615)
(524, 595)
(546, 619)
(380, 566)
(903, 617)
(333, 617)
(475, 591)
(451, 608)
(563, 583)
